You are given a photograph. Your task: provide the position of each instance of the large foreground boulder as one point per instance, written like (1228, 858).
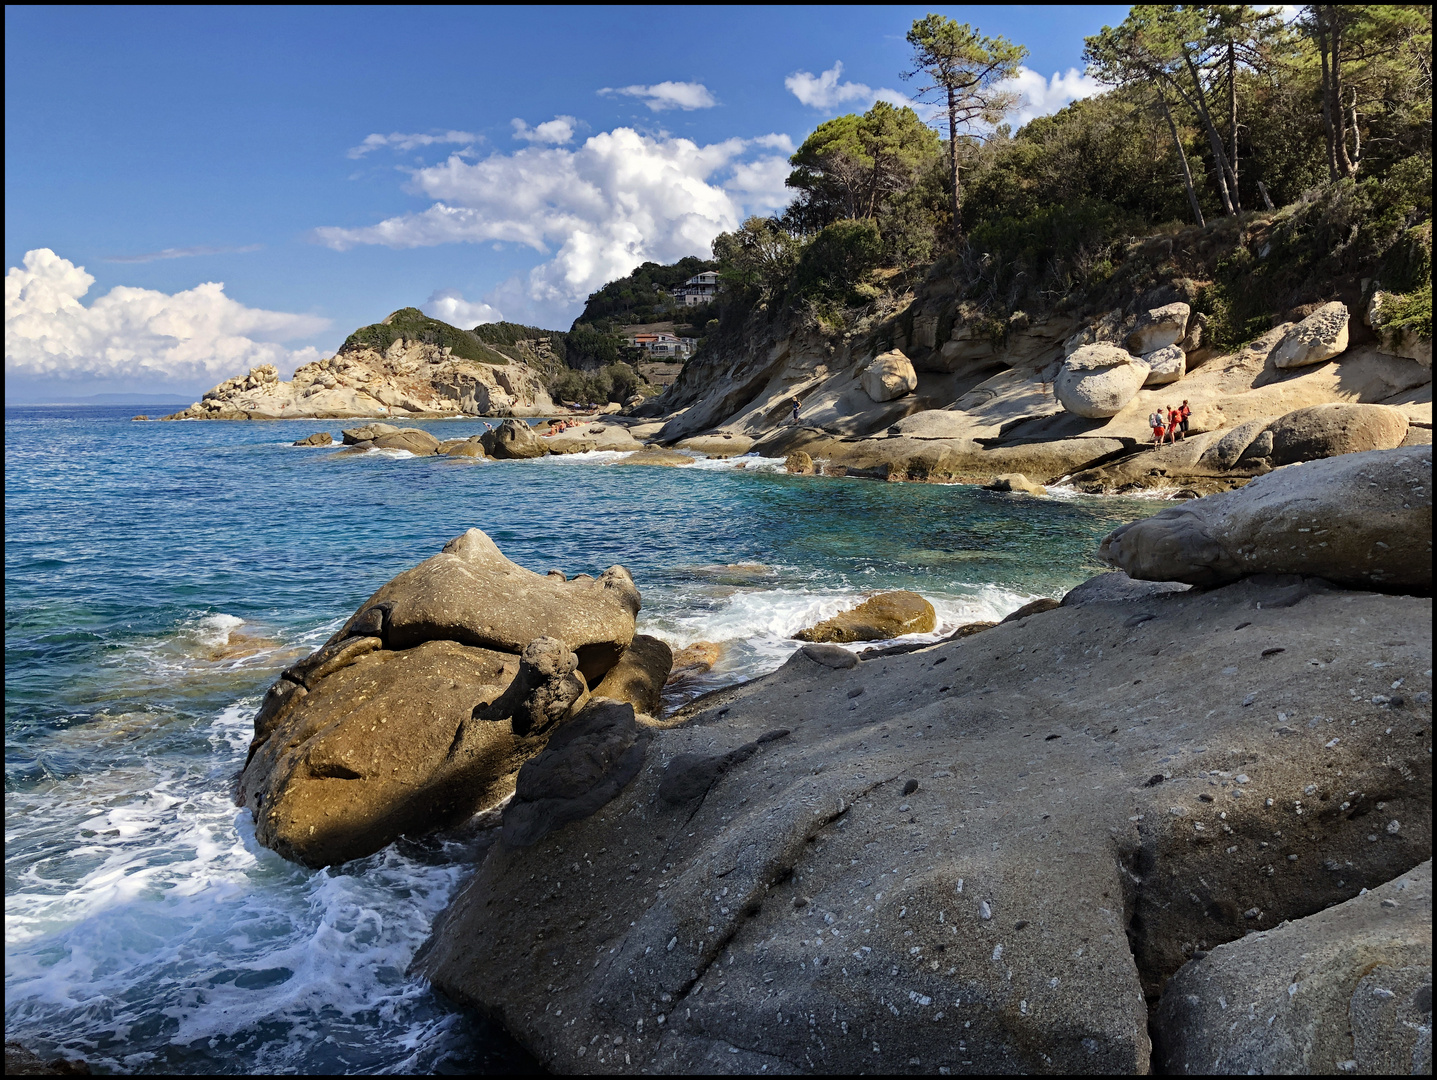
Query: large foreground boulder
(421, 709)
(1320, 336)
(1348, 990)
(1363, 520)
(887, 615)
(888, 377)
(1098, 380)
(383, 745)
(983, 856)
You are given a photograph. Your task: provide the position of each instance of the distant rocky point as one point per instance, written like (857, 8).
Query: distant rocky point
(409, 365)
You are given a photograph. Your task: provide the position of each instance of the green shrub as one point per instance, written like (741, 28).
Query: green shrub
(412, 324)
(1410, 312)
(837, 259)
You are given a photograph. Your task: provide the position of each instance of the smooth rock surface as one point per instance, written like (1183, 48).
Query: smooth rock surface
(657, 455)
(888, 377)
(1159, 328)
(1096, 381)
(1348, 990)
(587, 762)
(1166, 365)
(1116, 587)
(1026, 891)
(319, 438)
(695, 659)
(1363, 520)
(1320, 336)
(1328, 430)
(887, 615)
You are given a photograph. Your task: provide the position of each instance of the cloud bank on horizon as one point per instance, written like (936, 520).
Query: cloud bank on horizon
(197, 336)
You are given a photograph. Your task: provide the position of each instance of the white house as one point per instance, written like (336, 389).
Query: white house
(699, 289)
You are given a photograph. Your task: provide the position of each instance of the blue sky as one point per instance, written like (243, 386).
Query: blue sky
(192, 191)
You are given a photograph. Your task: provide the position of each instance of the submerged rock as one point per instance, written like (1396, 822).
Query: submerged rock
(1363, 520)
(1346, 990)
(798, 464)
(718, 445)
(695, 659)
(1016, 482)
(887, 615)
(655, 455)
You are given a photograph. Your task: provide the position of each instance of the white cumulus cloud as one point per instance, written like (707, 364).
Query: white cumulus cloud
(199, 335)
(824, 91)
(449, 305)
(400, 141)
(1038, 96)
(558, 130)
(668, 95)
(595, 211)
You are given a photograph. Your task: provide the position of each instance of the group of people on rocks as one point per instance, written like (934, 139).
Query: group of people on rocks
(1169, 424)
(563, 425)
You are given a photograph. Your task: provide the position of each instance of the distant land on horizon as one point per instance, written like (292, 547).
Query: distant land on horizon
(110, 399)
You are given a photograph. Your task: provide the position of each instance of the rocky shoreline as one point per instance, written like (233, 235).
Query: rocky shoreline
(1029, 847)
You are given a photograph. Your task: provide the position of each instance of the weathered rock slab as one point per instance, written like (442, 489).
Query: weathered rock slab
(513, 439)
(1363, 520)
(380, 746)
(639, 676)
(1016, 482)
(1348, 990)
(319, 438)
(1138, 835)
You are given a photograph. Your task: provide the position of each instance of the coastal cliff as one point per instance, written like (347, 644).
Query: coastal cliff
(407, 366)
(921, 385)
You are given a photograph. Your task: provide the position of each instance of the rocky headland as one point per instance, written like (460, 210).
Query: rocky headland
(406, 366)
(1053, 844)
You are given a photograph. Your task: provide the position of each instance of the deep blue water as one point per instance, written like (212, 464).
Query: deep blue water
(159, 575)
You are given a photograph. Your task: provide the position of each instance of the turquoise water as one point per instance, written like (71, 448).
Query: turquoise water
(158, 576)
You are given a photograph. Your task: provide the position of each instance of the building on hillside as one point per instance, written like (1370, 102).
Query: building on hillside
(662, 343)
(699, 289)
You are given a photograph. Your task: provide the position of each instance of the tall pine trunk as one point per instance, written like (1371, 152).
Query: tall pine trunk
(953, 162)
(1182, 157)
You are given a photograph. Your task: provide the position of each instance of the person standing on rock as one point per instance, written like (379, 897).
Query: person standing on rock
(1184, 411)
(1155, 421)
(795, 410)
(1172, 435)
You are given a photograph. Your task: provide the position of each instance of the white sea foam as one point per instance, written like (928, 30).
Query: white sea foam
(215, 630)
(164, 905)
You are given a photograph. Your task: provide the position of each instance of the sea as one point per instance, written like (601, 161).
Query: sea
(158, 576)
